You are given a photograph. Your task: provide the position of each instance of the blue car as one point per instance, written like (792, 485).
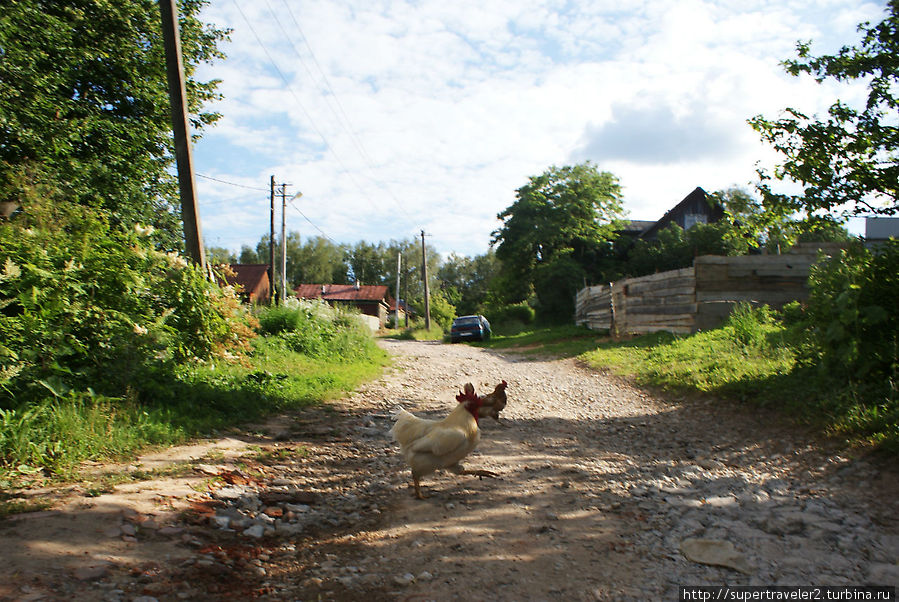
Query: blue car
(475, 328)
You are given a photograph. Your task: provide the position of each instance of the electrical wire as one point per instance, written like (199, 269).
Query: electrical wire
(199, 175)
(309, 118)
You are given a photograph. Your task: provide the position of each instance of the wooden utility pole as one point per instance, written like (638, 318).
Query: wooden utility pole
(190, 215)
(271, 245)
(399, 259)
(424, 275)
(284, 242)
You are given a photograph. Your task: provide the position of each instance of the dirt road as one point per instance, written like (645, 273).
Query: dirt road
(606, 492)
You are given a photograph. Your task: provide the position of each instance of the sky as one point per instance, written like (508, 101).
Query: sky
(393, 117)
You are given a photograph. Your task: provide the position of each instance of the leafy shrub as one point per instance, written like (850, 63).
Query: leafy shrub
(851, 310)
(517, 312)
(278, 319)
(93, 306)
(319, 331)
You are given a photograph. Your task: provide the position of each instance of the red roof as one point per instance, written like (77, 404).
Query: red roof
(249, 276)
(342, 292)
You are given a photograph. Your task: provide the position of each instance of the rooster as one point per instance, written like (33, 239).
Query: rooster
(492, 404)
(429, 445)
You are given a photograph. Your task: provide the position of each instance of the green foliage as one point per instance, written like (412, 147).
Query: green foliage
(848, 158)
(568, 210)
(58, 433)
(516, 312)
(749, 325)
(852, 316)
(319, 331)
(442, 311)
(86, 305)
(467, 281)
(84, 102)
(556, 283)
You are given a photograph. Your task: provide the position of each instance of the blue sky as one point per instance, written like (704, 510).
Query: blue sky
(393, 117)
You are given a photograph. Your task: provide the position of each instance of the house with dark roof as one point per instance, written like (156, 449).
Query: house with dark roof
(695, 208)
(371, 300)
(253, 280)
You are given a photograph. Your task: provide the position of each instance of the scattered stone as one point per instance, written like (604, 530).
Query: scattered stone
(91, 573)
(716, 553)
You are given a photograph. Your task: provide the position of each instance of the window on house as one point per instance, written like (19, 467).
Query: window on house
(691, 219)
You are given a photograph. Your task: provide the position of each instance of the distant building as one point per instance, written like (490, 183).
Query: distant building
(879, 229)
(371, 300)
(253, 280)
(694, 209)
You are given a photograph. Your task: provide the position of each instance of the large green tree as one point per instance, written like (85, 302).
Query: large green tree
(848, 161)
(84, 103)
(552, 232)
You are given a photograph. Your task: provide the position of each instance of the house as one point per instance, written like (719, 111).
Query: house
(371, 300)
(879, 229)
(633, 228)
(253, 280)
(694, 209)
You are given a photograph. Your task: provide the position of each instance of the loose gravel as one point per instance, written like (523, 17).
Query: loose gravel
(607, 492)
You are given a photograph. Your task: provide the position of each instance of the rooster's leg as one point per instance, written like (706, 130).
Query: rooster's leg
(417, 484)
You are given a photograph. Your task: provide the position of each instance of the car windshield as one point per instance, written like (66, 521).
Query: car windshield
(466, 321)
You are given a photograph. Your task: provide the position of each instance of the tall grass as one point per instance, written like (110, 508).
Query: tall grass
(320, 357)
(754, 357)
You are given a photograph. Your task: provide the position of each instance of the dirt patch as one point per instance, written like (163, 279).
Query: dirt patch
(600, 485)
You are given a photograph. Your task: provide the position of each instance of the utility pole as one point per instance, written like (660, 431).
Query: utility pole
(271, 245)
(283, 194)
(424, 275)
(399, 257)
(187, 186)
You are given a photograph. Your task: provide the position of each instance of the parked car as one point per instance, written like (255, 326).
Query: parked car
(470, 328)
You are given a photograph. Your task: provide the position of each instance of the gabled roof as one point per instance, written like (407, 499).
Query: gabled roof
(697, 199)
(342, 292)
(247, 275)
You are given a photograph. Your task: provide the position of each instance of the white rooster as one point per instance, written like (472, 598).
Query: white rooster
(429, 445)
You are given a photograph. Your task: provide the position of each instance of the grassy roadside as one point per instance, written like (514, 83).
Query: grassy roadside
(47, 442)
(752, 359)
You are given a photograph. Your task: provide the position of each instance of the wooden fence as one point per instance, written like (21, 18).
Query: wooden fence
(696, 298)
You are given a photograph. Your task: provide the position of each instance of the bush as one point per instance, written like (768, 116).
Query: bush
(317, 330)
(518, 312)
(851, 310)
(90, 306)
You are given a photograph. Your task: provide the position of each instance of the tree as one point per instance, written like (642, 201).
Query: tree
(570, 210)
(367, 263)
(848, 162)
(84, 102)
(220, 255)
(466, 281)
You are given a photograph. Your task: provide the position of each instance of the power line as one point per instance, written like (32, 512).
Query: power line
(311, 223)
(346, 120)
(199, 175)
(309, 118)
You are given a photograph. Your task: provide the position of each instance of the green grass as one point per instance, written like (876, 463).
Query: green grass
(52, 438)
(419, 333)
(713, 362)
(558, 341)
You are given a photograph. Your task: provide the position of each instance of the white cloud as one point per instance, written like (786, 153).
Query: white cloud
(443, 109)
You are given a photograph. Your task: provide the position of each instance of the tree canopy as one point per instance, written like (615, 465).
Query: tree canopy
(84, 103)
(560, 217)
(847, 162)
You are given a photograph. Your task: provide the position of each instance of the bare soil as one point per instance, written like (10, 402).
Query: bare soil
(601, 483)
